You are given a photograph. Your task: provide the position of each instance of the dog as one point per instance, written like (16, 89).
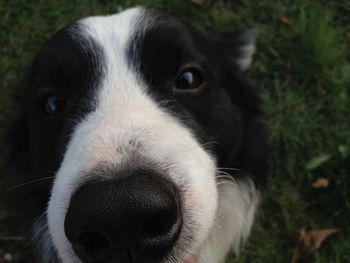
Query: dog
(142, 139)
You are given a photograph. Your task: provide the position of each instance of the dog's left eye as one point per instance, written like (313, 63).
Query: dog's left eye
(189, 79)
(53, 104)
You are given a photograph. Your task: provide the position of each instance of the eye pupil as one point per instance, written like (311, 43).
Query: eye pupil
(189, 79)
(53, 104)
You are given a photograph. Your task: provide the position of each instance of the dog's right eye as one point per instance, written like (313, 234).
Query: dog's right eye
(190, 79)
(53, 104)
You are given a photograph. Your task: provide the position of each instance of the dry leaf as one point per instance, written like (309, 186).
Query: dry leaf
(310, 241)
(321, 183)
(197, 2)
(287, 21)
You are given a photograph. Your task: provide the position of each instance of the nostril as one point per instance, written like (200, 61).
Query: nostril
(154, 226)
(158, 233)
(92, 246)
(159, 224)
(92, 241)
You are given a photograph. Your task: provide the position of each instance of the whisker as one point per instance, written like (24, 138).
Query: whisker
(39, 231)
(228, 168)
(223, 178)
(224, 173)
(30, 182)
(38, 220)
(40, 236)
(224, 182)
(210, 143)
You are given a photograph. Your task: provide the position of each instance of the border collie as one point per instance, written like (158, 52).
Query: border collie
(143, 139)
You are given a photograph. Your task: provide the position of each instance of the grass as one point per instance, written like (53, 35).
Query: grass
(301, 66)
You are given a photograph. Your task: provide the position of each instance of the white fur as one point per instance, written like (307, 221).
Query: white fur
(125, 117)
(238, 202)
(126, 113)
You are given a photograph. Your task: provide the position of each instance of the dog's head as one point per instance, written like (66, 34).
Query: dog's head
(153, 140)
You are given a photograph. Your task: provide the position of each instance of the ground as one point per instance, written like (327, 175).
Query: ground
(302, 68)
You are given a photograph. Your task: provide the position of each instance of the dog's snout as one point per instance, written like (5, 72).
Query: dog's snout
(136, 218)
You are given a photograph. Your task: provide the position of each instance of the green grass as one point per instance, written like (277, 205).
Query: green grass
(303, 71)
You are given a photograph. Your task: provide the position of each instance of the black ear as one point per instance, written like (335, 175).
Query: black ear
(240, 46)
(246, 48)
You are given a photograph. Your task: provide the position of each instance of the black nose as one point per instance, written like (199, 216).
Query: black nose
(136, 218)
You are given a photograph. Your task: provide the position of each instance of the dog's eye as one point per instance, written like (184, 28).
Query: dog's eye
(189, 79)
(53, 104)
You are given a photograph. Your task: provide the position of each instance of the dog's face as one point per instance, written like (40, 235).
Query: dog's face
(141, 119)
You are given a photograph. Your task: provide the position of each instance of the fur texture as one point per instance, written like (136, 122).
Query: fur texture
(122, 109)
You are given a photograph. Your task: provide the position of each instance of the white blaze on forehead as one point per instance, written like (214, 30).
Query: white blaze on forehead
(125, 114)
(115, 31)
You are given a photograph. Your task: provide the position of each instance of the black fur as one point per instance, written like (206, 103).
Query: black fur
(226, 111)
(224, 114)
(68, 65)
